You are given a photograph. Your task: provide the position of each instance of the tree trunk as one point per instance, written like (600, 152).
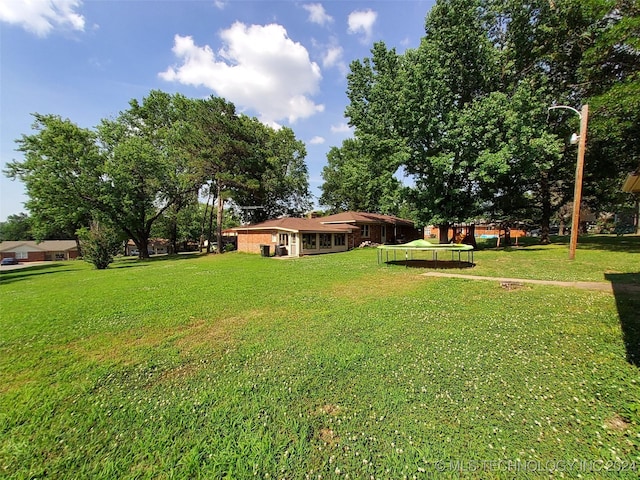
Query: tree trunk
(204, 222)
(443, 229)
(210, 231)
(79, 247)
(636, 219)
(507, 237)
(546, 208)
(173, 240)
(219, 219)
(470, 237)
(143, 247)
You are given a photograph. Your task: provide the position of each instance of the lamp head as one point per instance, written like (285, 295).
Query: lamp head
(574, 139)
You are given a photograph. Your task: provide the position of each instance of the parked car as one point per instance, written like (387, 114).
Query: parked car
(9, 261)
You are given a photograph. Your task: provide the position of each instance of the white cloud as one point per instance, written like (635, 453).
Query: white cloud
(317, 14)
(258, 67)
(316, 140)
(41, 17)
(220, 4)
(341, 128)
(332, 56)
(361, 22)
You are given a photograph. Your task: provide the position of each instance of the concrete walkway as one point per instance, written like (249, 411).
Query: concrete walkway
(600, 286)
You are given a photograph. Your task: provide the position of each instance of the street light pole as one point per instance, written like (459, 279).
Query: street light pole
(577, 192)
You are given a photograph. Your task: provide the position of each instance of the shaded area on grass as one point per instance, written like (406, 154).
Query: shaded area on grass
(621, 243)
(437, 264)
(25, 273)
(158, 258)
(628, 304)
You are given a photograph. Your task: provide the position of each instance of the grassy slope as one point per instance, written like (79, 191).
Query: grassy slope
(238, 365)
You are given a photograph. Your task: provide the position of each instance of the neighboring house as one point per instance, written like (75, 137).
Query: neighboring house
(157, 246)
(229, 236)
(31, 251)
(335, 233)
(632, 185)
(375, 227)
(295, 237)
(458, 232)
(632, 182)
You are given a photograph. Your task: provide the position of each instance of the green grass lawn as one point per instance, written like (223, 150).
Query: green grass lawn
(238, 366)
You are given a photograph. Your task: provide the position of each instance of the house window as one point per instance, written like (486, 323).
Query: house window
(309, 241)
(339, 239)
(274, 237)
(365, 231)
(283, 239)
(325, 240)
(22, 255)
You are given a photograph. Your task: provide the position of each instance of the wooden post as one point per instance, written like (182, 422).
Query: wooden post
(637, 215)
(577, 193)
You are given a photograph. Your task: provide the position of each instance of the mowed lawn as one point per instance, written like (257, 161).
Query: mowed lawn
(238, 366)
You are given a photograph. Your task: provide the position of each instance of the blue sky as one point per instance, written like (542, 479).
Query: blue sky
(284, 62)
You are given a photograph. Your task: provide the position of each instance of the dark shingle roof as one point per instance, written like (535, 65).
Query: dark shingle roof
(364, 217)
(297, 225)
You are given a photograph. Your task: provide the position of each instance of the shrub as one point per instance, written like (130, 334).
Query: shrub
(98, 244)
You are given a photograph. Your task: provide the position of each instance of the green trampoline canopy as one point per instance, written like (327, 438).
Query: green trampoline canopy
(422, 246)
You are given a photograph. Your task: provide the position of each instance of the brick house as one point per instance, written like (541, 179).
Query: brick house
(295, 237)
(375, 227)
(31, 251)
(335, 233)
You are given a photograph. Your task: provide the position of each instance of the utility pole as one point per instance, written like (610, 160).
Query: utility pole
(577, 191)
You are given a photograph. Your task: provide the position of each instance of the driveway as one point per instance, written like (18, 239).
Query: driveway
(6, 268)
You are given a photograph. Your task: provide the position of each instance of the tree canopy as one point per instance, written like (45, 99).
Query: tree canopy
(152, 161)
(17, 227)
(466, 112)
(355, 179)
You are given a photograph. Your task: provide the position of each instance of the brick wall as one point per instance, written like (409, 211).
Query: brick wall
(250, 242)
(36, 257)
(375, 235)
(40, 256)
(393, 234)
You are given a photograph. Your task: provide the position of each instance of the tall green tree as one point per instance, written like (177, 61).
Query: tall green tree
(356, 178)
(60, 170)
(414, 102)
(609, 80)
(144, 173)
(153, 160)
(127, 173)
(467, 111)
(16, 227)
(218, 144)
(284, 182)
(160, 118)
(278, 165)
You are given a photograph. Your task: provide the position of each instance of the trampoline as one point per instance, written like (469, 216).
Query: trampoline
(410, 248)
